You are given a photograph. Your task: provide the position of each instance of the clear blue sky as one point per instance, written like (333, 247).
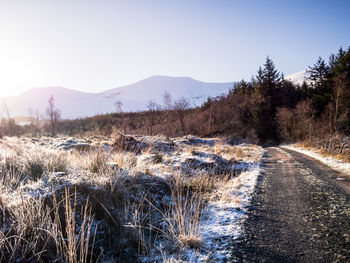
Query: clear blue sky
(98, 45)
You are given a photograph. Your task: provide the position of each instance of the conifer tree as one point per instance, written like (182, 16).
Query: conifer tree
(266, 93)
(318, 72)
(322, 88)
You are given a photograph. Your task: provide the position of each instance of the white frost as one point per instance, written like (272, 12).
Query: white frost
(334, 163)
(222, 222)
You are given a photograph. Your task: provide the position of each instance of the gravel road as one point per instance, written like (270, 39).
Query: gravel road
(298, 213)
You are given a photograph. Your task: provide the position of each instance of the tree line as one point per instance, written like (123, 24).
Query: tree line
(38, 124)
(266, 109)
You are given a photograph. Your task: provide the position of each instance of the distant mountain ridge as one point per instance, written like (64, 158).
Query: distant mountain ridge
(154, 87)
(72, 103)
(134, 97)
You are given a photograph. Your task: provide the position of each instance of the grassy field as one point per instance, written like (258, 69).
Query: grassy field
(115, 199)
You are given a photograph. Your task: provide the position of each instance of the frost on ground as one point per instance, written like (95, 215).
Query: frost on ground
(221, 224)
(130, 198)
(224, 213)
(332, 162)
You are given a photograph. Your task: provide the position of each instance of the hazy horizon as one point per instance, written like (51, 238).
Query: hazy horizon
(112, 88)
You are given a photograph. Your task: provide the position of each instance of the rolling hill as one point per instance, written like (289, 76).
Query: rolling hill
(135, 97)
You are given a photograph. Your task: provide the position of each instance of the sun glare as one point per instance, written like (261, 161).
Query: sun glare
(20, 68)
(16, 81)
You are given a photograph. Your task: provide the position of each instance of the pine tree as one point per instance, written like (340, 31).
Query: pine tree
(319, 72)
(322, 87)
(266, 93)
(267, 80)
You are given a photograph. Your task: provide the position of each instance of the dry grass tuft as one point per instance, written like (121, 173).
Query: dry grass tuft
(126, 160)
(184, 215)
(75, 240)
(98, 162)
(36, 232)
(57, 162)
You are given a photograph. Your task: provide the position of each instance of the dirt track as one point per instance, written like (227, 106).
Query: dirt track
(299, 213)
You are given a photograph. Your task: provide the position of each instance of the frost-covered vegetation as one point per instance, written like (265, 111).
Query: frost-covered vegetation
(337, 162)
(122, 198)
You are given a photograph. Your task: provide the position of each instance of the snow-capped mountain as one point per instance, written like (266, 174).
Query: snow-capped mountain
(134, 97)
(298, 77)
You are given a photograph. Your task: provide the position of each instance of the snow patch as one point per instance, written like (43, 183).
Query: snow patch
(223, 222)
(334, 163)
(298, 77)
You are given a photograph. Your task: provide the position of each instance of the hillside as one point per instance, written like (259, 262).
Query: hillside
(135, 97)
(73, 104)
(154, 87)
